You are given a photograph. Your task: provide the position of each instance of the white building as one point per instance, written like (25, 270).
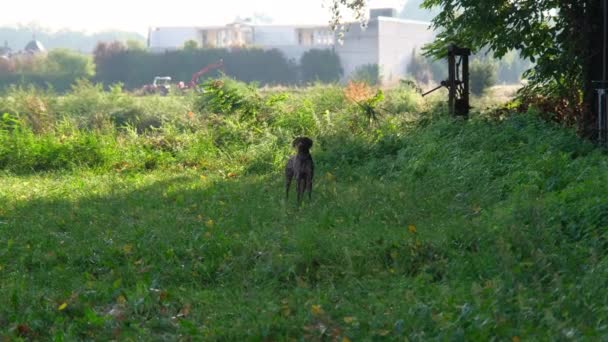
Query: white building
(387, 41)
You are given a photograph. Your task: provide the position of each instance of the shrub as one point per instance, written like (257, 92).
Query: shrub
(63, 61)
(321, 65)
(403, 99)
(227, 96)
(368, 73)
(483, 75)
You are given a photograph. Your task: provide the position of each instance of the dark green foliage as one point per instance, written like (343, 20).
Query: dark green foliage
(321, 65)
(62, 61)
(483, 75)
(369, 108)
(368, 73)
(134, 68)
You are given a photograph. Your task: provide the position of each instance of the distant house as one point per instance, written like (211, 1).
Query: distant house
(5, 51)
(387, 40)
(34, 47)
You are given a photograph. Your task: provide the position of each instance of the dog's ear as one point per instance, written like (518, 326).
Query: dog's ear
(307, 142)
(295, 142)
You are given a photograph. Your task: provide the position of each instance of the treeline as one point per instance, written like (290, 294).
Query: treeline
(134, 66)
(58, 69)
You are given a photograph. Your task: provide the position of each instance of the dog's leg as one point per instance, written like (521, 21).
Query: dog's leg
(300, 188)
(309, 178)
(309, 186)
(288, 178)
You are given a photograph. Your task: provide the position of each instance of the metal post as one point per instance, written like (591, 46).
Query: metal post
(601, 109)
(605, 40)
(452, 82)
(465, 80)
(604, 118)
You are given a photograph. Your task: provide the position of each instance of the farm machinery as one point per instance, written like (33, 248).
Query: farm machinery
(162, 84)
(197, 75)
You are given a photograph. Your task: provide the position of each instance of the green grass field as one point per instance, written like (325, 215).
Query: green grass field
(420, 228)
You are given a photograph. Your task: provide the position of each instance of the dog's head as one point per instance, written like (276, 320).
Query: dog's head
(302, 143)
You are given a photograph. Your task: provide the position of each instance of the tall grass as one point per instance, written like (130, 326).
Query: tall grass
(93, 128)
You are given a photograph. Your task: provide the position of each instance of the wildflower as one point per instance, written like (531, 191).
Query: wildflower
(411, 228)
(127, 249)
(316, 310)
(349, 319)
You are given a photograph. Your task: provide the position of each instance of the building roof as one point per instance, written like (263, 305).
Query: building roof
(34, 46)
(405, 21)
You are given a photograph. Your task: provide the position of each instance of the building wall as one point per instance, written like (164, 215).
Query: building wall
(172, 38)
(274, 36)
(291, 40)
(397, 40)
(360, 47)
(386, 41)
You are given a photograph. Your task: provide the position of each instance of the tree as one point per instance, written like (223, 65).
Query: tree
(109, 66)
(190, 45)
(69, 62)
(562, 38)
(483, 75)
(135, 45)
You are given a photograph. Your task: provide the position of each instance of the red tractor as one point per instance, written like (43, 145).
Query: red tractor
(195, 77)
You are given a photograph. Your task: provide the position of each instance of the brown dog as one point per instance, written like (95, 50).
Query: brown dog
(301, 167)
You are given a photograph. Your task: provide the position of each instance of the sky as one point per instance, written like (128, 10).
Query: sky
(138, 15)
